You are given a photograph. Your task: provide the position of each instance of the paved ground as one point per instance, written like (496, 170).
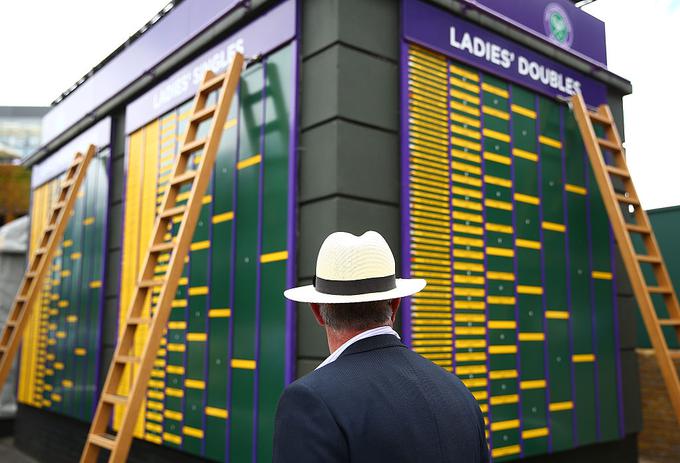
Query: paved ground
(8, 453)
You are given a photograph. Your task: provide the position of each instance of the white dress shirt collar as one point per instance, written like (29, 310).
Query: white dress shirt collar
(363, 335)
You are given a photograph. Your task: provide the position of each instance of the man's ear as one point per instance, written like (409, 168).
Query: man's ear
(316, 310)
(394, 303)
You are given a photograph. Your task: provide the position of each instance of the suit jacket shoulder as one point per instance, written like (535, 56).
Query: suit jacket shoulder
(379, 401)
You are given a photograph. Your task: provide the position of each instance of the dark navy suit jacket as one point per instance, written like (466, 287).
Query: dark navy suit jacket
(379, 402)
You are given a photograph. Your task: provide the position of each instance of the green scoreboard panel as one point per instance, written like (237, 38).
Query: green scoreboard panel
(505, 222)
(222, 364)
(60, 350)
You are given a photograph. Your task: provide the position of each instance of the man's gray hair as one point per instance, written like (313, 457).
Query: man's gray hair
(356, 316)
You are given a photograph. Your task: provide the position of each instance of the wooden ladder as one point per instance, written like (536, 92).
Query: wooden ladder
(41, 260)
(605, 174)
(198, 179)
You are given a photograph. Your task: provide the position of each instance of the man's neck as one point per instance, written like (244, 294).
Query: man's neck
(338, 338)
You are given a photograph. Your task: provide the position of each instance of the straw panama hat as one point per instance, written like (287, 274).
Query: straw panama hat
(352, 268)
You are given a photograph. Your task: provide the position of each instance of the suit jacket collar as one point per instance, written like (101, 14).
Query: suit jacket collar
(374, 342)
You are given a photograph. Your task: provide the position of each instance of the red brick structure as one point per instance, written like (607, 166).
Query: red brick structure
(659, 441)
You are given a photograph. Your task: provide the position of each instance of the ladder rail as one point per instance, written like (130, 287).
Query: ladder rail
(660, 271)
(625, 242)
(119, 445)
(40, 261)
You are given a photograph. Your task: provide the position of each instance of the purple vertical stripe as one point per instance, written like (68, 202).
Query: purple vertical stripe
(617, 339)
(482, 164)
(187, 267)
(543, 297)
(258, 264)
(232, 273)
(406, 331)
(206, 349)
(568, 280)
(515, 267)
(291, 267)
(592, 296)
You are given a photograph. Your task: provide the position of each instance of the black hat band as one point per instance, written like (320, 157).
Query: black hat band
(354, 287)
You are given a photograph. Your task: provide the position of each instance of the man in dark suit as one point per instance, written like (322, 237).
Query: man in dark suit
(373, 399)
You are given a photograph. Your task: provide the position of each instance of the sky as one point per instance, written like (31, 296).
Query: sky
(643, 46)
(48, 45)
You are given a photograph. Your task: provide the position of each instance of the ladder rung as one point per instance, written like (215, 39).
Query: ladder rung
(649, 259)
(213, 83)
(127, 359)
(21, 299)
(50, 228)
(106, 441)
(31, 274)
(173, 211)
(627, 199)
(618, 171)
(114, 398)
(59, 205)
(659, 289)
(608, 144)
(670, 322)
(67, 183)
(40, 251)
(10, 323)
(163, 247)
(193, 145)
(203, 114)
(150, 283)
(138, 321)
(638, 228)
(599, 117)
(182, 178)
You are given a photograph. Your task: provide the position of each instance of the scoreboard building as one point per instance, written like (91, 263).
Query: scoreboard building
(441, 124)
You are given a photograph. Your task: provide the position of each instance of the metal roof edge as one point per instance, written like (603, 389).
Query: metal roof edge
(224, 25)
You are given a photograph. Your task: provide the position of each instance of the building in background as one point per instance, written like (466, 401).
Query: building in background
(19, 137)
(441, 124)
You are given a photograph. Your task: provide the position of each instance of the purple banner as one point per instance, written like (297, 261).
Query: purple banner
(261, 36)
(180, 25)
(439, 30)
(559, 21)
(52, 166)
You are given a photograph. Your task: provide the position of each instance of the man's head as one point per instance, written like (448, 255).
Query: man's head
(356, 317)
(355, 287)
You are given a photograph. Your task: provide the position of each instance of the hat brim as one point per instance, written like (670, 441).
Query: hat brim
(405, 287)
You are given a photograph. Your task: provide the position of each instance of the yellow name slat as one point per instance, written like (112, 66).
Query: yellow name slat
(558, 227)
(532, 337)
(534, 433)
(598, 275)
(251, 161)
(557, 314)
(579, 190)
(523, 111)
(532, 384)
(495, 90)
(529, 156)
(559, 406)
(216, 412)
(219, 218)
(529, 244)
(243, 364)
(549, 142)
(496, 135)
